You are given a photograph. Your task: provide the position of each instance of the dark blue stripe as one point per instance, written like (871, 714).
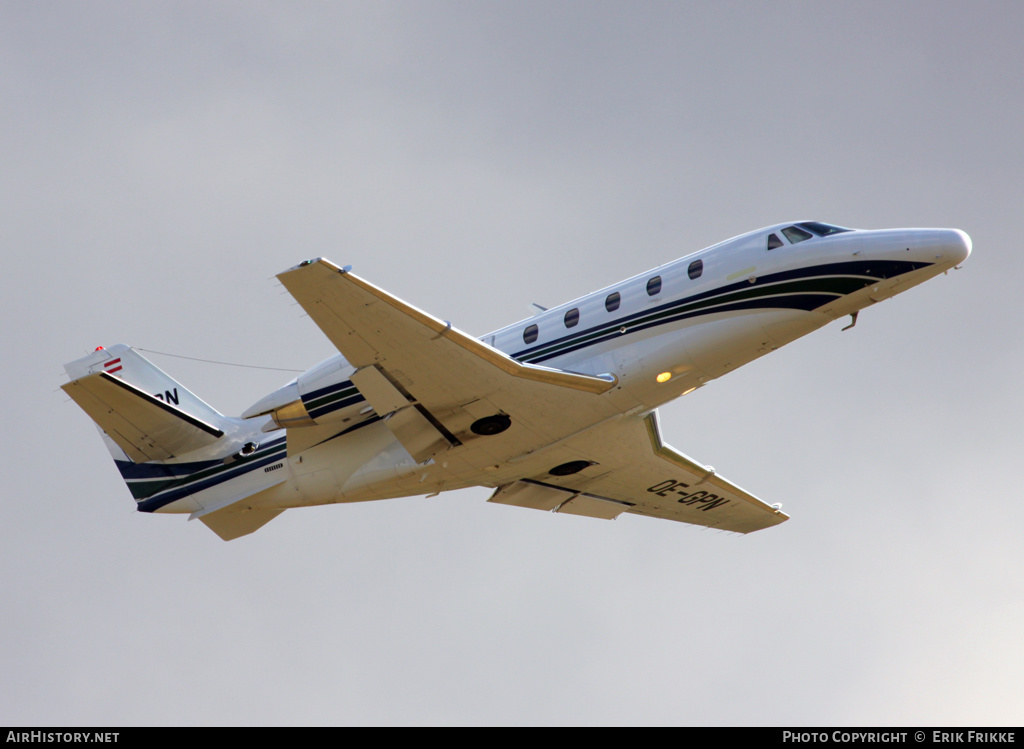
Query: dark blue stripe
(874, 270)
(320, 409)
(164, 498)
(155, 470)
(171, 495)
(336, 405)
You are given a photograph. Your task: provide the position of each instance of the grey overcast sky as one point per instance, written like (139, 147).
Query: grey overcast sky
(162, 161)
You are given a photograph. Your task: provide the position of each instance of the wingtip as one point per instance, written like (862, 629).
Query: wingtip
(304, 263)
(318, 261)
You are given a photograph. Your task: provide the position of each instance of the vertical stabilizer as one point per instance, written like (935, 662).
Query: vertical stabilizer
(174, 451)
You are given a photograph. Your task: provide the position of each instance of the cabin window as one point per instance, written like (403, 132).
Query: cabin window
(695, 269)
(572, 318)
(531, 333)
(654, 286)
(612, 301)
(795, 234)
(774, 242)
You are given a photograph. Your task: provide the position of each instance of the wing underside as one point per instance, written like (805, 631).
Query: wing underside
(629, 469)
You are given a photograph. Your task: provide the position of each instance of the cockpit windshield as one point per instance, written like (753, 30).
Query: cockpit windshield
(822, 230)
(795, 234)
(803, 231)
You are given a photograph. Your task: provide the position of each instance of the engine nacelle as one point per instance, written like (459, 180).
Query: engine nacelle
(321, 395)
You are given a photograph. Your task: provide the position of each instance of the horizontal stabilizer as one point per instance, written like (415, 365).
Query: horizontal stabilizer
(239, 516)
(230, 524)
(146, 428)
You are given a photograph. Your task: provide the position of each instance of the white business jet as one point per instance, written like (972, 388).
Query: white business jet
(556, 412)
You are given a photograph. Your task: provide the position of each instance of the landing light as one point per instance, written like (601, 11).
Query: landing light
(664, 377)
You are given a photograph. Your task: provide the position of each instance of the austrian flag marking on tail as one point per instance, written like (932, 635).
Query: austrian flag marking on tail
(114, 365)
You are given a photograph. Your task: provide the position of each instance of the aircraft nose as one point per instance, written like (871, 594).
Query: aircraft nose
(958, 245)
(948, 247)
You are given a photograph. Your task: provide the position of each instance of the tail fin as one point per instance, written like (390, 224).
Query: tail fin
(144, 412)
(156, 432)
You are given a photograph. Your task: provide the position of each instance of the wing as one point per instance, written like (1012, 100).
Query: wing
(625, 467)
(435, 386)
(439, 387)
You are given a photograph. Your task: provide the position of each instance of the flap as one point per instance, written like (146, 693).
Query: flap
(540, 496)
